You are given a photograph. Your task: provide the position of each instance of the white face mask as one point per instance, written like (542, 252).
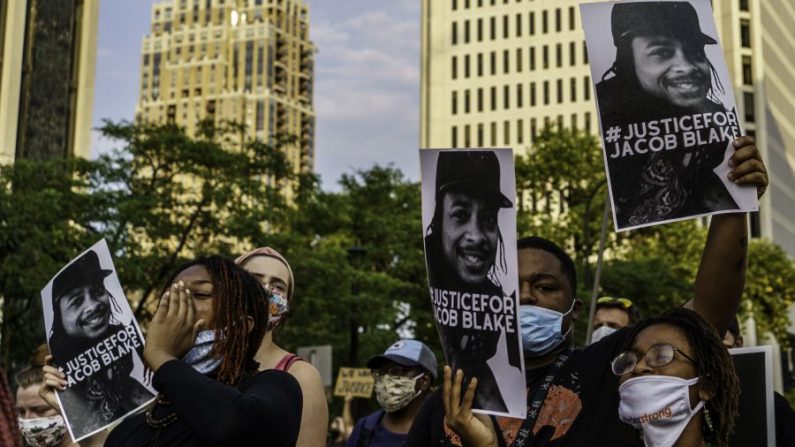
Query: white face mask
(601, 332)
(657, 405)
(395, 392)
(42, 432)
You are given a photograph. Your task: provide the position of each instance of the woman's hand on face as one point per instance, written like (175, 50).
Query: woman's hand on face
(54, 379)
(173, 328)
(476, 430)
(747, 165)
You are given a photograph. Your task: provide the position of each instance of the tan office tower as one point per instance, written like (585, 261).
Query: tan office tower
(495, 71)
(48, 59)
(248, 61)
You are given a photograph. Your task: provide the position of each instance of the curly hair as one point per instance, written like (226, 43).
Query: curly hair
(238, 296)
(715, 369)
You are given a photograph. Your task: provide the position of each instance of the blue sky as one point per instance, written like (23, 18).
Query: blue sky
(366, 79)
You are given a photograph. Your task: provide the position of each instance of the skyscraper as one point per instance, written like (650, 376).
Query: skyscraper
(48, 54)
(494, 72)
(248, 61)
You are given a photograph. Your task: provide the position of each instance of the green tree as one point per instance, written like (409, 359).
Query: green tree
(769, 289)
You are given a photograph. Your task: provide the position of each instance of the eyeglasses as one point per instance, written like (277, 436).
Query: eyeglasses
(657, 356)
(624, 302)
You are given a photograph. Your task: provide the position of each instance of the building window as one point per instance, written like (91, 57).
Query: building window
(584, 53)
(748, 75)
(466, 101)
(572, 54)
(455, 5)
(454, 105)
(480, 30)
(545, 56)
(506, 130)
(505, 61)
(480, 100)
(454, 35)
(748, 103)
(560, 90)
(454, 67)
(519, 132)
(546, 93)
(559, 55)
(743, 5)
(467, 141)
(480, 134)
(494, 98)
(588, 122)
(560, 123)
(466, 31)
(466, 66)
(532, 94)
(533, 129)
(544, 22)
(493, 57)
(493, 28)
(506, 97)
(532, 23)
(518, 25)
(574, 121)
(505, 26)
(573, 88)
(519, 96)
(532, 58)
(493, 133)
(572, 20)
(745, 33)
(480, 64)
(558, 20)
(466, 4)
(586, 88)
(454, 137)
(518, 60)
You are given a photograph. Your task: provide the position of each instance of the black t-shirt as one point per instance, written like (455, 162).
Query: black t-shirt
(262, 410)
(785, 421)
(580, 409)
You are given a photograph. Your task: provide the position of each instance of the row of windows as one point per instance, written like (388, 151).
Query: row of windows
(479, 138)
(467, 64)
(480, 29)
(471, 101)
(479, 3)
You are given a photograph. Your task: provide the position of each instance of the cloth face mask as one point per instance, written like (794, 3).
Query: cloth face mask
(541, 329)
(278, 307)
(601, 333)
(657, 405)
(199, 355)
(43, 432)
(395, 392)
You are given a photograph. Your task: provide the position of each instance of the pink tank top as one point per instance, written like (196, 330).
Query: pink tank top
(287, 361)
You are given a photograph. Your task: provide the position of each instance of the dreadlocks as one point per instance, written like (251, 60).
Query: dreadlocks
(714, 365)
(238, 296)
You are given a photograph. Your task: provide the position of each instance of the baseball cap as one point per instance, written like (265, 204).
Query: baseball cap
(407, 353)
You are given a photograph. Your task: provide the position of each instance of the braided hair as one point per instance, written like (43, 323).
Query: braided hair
(714, 365)
(238, 296)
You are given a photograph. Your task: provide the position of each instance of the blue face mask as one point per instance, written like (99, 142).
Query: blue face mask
(199, 355)
(541, 329)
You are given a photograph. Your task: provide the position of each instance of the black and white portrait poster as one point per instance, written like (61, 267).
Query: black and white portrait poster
(95, 340)
(667, 111)
(469, 223)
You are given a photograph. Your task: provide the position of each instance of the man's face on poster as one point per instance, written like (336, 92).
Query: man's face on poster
(672, 69)
(469, 235)
(85, 311)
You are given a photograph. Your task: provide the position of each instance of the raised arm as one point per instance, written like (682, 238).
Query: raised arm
(721, 275)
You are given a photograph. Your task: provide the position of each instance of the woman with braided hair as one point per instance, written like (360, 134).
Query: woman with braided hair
(202, 345)
(677, 382)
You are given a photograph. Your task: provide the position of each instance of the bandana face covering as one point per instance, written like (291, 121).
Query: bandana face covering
(541, 329)
(278, 306)
(199, 355)
(395, 392)
(659, 406)
(43, 432)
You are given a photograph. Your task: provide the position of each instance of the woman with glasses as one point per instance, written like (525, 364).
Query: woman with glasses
(676, 382)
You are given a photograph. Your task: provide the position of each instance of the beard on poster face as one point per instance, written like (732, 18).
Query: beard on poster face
(85, 311)
(469, 235)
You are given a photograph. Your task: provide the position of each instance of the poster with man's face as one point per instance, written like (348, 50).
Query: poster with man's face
(667, 111)
(95, 340)
(469, 229)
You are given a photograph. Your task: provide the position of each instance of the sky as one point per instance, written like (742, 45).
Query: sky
(367, 78)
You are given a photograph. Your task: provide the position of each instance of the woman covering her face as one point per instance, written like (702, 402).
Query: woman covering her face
(202, 345)
(677, 382)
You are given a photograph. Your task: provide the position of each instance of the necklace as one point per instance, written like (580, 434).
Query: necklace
(165, 421)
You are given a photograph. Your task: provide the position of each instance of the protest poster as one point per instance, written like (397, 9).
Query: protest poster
(355, 382)
(667, 111)
(756, 420)
(95, 340)
(469, 223)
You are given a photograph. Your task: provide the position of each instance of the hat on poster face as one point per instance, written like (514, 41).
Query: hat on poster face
(84, 271)
(479, 170)
(407, 353)
(678, 20)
